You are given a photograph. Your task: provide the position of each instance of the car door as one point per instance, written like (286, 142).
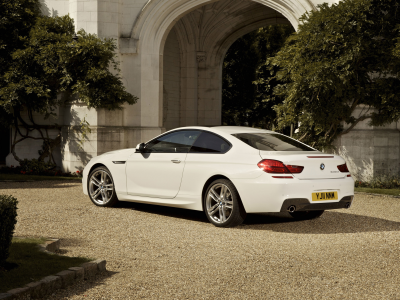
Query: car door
(157, 171)
(204, 159)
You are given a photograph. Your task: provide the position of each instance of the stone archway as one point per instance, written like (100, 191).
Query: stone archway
(194, 51)
(201, 53)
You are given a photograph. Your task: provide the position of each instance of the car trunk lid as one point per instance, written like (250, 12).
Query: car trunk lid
(316, 165)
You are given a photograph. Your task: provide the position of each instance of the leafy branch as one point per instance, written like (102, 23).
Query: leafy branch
(343, 57)
(42, 68)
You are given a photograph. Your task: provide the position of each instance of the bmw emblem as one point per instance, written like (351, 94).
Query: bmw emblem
(322, 167)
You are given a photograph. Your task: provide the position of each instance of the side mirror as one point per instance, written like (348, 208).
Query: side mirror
(140, 147)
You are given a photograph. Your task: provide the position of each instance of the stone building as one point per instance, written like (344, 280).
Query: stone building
(171, 54)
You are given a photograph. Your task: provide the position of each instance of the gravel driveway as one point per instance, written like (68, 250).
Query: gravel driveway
(155, 252)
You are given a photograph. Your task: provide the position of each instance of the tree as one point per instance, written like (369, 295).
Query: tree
(396, 51)
(16, 20)
(47, 67)
(239, 70)
(245, 98)
(342, 58)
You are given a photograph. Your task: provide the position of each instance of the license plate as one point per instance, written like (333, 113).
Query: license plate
(324, 196)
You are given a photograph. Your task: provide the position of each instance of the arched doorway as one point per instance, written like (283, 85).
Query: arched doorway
(180, 46)
(193, 55)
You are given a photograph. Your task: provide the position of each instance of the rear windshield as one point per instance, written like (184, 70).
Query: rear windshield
(272, 142)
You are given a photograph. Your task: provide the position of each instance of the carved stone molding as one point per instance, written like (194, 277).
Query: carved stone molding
(128, 45)
(201, 56)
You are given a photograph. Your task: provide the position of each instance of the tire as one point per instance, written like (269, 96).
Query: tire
(227, 211)
(101, 187)
(306, 215)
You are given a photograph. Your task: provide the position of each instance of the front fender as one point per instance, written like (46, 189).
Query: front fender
(115, 163)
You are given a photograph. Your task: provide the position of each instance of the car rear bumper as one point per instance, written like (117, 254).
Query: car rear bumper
(266, 194)
(302, 204)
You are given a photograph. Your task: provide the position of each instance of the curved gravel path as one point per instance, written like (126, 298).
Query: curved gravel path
(156, 252)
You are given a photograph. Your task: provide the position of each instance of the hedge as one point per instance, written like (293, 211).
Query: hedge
(8, 219)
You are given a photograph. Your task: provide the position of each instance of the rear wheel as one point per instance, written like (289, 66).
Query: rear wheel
(222, 204)
(306, 215)
(101, 187)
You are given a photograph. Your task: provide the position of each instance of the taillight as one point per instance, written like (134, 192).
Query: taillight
(295, 169)
(273, 166)
(343, 168)
(277, 167)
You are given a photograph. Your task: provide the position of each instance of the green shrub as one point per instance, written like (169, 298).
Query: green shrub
(8, 219)
(380, 182)
(36, 166)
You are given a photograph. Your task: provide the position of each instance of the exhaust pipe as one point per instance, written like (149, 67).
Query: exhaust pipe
(291, 208)
(348, 204)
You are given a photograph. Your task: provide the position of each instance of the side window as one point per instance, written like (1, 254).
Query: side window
(210, 143)
(174, 142)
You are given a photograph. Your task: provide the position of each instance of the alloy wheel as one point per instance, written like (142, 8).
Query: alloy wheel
(101, 187)
(219, 203)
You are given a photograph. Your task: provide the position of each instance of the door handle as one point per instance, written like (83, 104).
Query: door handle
(176, 161)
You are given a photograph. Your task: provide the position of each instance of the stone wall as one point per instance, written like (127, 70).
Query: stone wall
(171, 82)
(171, 54)
(371, 151)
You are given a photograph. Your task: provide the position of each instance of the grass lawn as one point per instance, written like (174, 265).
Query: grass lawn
(394, 192)
(21, 177)
(27, 264)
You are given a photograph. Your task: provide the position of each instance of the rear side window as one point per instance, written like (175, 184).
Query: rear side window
(272, 142)
(210, 143)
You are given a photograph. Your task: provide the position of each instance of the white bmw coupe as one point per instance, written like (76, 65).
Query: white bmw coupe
(225, 172)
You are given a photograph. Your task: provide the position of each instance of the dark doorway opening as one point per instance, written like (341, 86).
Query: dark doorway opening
(247, 82)
(4, 144)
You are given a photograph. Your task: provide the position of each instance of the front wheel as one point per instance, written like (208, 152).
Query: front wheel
(101, 187)
(306, 215)
(222, 204)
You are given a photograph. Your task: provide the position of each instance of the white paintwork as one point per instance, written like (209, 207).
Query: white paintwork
(259, 191)
(154, 175)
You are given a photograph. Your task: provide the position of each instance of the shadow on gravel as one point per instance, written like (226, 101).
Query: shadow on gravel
(172, 212)
(48, 184)
(330, 222)
(79, 289)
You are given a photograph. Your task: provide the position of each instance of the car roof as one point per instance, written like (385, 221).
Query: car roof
(227, 129)
(238, 129)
